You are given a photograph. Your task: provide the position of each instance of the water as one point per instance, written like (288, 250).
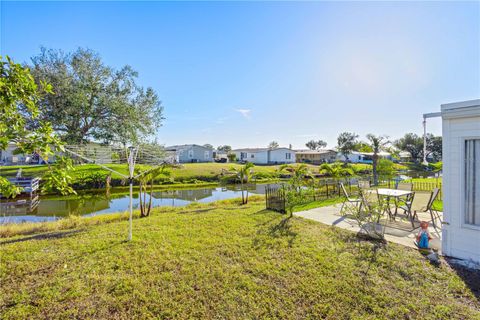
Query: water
(46, 208)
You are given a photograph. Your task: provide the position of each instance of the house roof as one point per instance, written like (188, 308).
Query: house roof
(323, 151)
(255, 150)
(184, 146)
(252, 150)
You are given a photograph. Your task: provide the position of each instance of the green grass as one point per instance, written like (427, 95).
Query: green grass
(189, 171)
(317, 204)
(427, 180)
(226, 261)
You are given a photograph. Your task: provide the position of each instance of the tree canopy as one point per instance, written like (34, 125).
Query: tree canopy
(413, 144)
(273, 145)
(19, 96)
(315, 145)
(225, 148)
(346, 142)
(93, 101)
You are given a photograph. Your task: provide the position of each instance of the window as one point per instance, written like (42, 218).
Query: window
(472, 181)
(288, 156)
(252, 156)
(207, 155)
(243, 155)
(190, 153)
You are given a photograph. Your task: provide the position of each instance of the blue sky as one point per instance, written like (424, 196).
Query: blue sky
(247, 73)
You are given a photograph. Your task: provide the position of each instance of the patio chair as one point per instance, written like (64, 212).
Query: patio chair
(355, 202)
(363, 184)
(434, 213)
(420, 203)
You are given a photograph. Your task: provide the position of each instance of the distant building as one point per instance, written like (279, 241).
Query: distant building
(363, 157)
(188, 153)
(316, 156)
(10, 157)
(265, 155)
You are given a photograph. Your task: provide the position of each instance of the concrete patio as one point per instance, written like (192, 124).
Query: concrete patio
(399, 231)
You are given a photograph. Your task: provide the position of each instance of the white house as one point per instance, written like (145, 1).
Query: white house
(363, 157)
(265, 155)
(9, 156)
(461, 179)
(191, 153)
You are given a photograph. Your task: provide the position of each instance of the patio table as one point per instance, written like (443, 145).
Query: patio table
(393, 193)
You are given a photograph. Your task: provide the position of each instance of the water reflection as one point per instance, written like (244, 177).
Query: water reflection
(40, 208)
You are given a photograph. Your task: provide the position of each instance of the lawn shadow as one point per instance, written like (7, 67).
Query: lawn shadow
(44, 236)
(471, 277)
(271, 230)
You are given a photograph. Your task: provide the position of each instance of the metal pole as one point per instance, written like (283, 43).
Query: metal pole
(425, 141)
(131, 166)
(131, 212)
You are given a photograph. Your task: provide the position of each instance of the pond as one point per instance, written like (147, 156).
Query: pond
(48, 208)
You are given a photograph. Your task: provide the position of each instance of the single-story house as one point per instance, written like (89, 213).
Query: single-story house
(316, 156)
(188, 153)
(363, 157)
(461, 179)
(265, 155)
(10, 157)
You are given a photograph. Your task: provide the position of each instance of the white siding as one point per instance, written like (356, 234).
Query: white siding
(281, 156)
(458, 239)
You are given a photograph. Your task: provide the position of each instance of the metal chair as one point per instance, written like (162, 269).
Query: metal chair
(363, 184)
(434, 213)
(420, 203)
(357, 203)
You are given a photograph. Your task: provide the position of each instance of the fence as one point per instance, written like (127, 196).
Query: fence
(276, 196)
(276, 199)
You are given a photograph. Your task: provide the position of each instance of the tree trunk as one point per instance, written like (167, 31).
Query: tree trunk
(150, 200)
(241, 186)
(375, 174)
(140, 198)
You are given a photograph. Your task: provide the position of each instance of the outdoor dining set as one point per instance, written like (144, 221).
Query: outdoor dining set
(392, 202)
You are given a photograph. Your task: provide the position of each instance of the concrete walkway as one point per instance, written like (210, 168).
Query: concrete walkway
(399, 231)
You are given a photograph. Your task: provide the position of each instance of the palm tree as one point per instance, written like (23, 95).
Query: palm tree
(298, 174)
(377, 143)
(243, 174)
(336, 170)
(146, 179)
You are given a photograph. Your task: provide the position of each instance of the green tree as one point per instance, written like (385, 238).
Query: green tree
(385, 168)
(231, 157)
(93, 101)
(412, 144)
(363, 147)
(243, 174)
(336, 170)
(146, 181)
(298, 174)
(434, 147)
(315, 145)
(225, 148)
(346, 142)
(377, 143)
(273, 145)
(19, 98)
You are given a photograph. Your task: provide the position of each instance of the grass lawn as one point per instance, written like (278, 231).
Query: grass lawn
(205, 171)
(226, 261)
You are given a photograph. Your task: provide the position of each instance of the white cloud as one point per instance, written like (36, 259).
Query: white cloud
(244, 112)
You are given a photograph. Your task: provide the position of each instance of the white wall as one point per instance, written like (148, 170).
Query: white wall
(279, 156)
(260, 157)
(352, 157)
(458, 239)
